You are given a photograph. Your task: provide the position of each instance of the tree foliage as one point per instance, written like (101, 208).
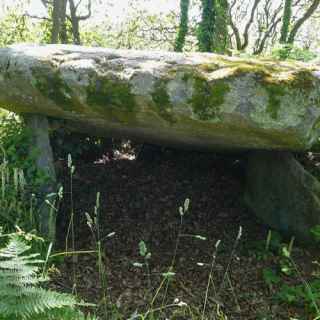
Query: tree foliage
(247, 26)
(15, 28)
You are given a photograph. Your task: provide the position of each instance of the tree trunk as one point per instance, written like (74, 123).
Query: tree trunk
(183, 27)
(286, 21)
(75, 21)
(206, 27)
(63, 29)
(57, 13)
(220, 34)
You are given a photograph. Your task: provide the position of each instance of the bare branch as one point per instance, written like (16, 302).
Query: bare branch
(313, 7)
(36, 17)
(249, 23)
(46, 2)
(88, 15)
(266, 36)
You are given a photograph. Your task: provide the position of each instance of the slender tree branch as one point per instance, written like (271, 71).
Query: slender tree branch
(234, 28)
(36, 17)
(266, 36)
(313, 7)
(249, 23)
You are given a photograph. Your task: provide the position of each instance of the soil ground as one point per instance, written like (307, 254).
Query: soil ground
(139, 200)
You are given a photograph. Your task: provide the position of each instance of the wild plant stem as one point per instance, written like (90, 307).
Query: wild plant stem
(307, 286)
(214, 256)
(71, 228)
(103, 279)
(230, 259)
(171, 268)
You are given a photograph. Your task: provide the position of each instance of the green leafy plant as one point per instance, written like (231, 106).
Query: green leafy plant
(302, 295)
(21, 296)
(16, 208)
(287, 51)
(315, 231)
(306, 294)
(15, 141)
(17, 149)
(263, 249)
(18, 205)
(270, 277)
(146, 255)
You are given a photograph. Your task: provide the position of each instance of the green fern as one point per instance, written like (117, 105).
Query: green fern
(64, 314)
(21, 297)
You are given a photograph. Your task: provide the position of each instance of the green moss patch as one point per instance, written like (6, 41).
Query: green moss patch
(208, 67)
(304, 80)
(162, 101)
(275, 92)
(302, 83)
(208, 97)
(111, 93)
(51, 85)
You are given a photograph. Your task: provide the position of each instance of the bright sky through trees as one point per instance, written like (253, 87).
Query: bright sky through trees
(115, 9)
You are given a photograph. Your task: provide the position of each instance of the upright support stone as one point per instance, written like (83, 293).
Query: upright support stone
(282, 193)
(44, 161)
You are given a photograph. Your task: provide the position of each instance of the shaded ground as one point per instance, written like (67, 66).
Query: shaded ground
(139, 201)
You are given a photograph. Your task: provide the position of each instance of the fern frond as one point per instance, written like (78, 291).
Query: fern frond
(20, 294)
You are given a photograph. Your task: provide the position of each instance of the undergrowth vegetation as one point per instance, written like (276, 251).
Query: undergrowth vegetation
(195, 274)
(27, 260)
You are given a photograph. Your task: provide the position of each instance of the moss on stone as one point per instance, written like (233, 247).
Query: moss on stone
(51, 85)
(275, 92)
(299, 83)
(208, 67)
(162, 101)
(111, 93)
(208, 97)
(303, 80)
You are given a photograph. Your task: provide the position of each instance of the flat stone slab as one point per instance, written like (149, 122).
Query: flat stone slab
(195, 100)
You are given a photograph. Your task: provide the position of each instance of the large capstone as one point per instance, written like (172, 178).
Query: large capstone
(195, 100)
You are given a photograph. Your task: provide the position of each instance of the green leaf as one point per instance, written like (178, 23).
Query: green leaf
(285, 252)
(270, 276)
(168, 274)
(315, 231)
(21, 295)
(142, 249)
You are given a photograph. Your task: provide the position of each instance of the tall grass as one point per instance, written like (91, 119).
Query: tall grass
(19, 209)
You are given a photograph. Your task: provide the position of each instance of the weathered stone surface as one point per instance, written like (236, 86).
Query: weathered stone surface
(45, 164)
(282, 194)
(196, 100)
